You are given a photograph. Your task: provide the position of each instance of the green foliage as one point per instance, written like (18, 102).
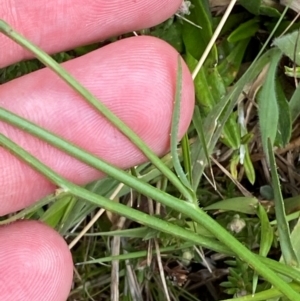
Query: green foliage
(22, 68)
(170, 31)
(239, 279)
(268, 107)
(224, 126)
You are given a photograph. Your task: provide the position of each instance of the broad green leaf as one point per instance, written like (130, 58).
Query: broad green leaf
(196, 39)
(203, 92)
(268, 111)
(252, 6)
(290, 45)
(233, 21)
(230, 65)
(269, 11)
(216, 83)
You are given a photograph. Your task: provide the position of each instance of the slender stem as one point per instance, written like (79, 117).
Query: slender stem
(100, 201)
(195, 213)
(90, 159)
(100, 107)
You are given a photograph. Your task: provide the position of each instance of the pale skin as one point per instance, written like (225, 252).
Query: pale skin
(135, 77)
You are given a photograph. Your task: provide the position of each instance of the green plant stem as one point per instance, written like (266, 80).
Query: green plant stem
(100, 107)
(265, 295)
(100, 201)
(195, 213)
(127, 179)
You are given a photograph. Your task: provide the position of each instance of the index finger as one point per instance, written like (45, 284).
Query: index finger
(58, 25)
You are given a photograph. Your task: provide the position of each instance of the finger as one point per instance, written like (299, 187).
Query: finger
(135, 78)
(35, 263)
(57, 25)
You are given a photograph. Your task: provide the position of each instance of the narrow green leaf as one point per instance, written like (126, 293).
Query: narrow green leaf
(294, 104)
(265, 295)
(295, 238)
(268, 108)
(231, 132)
(186, 157)
(54, 214)
(28, 211)
(233, 166)
(198, 124)
(248, 165)
(139, 232)
(285, 120)
(174, 129)
(287, 250)
(266, 239)
(244, 31)
(200, 15)
(239, 204)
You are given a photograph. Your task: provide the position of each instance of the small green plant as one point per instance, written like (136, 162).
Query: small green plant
(203, 205)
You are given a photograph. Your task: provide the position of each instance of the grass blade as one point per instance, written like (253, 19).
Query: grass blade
(174, 129)
(186, 157)
(288, 252)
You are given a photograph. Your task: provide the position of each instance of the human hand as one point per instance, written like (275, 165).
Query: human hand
(134, 77)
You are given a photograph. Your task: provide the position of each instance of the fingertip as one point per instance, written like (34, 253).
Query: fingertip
(56, 25)
(35, 263)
